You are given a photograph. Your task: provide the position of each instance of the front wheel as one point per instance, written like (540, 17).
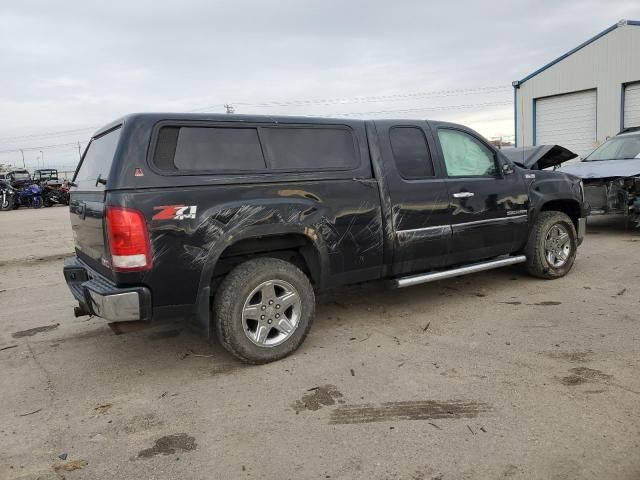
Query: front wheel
(36, 202)
(6, 202)
(552, 245)
(263, 310)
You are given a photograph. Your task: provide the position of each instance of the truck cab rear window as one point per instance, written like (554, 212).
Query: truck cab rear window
(219, 149)
(97, 161)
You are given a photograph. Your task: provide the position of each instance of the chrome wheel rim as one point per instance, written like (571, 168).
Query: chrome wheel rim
(557, 245)
(271, 313)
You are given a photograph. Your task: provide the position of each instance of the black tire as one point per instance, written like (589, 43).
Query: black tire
(9, 203)
(236, 289)
(538, 264)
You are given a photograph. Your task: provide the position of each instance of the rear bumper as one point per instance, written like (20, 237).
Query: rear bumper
(582, 229)
(98, 296)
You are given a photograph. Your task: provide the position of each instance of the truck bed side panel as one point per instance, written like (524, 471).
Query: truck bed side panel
(342, 219)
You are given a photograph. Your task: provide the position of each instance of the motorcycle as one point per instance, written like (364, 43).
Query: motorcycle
(65, 192)
(29, 196)
(7, 196)
(53, 196)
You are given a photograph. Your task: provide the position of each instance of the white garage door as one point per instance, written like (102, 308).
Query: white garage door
(568, 120)
(632, 105)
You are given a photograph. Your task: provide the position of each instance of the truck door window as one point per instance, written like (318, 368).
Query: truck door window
(465, 156)
(411, 153)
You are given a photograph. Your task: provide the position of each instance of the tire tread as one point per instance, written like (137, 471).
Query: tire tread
(534, 250)
(226, 299)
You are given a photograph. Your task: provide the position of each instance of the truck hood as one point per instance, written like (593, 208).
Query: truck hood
(540, 156)
(604, 168)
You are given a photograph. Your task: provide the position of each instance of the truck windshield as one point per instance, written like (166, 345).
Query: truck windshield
(97, 161)
(617, 148)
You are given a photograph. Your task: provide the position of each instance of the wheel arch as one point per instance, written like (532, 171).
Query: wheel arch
(309, 254)
(568, 206)
(295, 247)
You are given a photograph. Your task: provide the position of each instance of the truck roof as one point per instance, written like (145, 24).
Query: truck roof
(225, 117)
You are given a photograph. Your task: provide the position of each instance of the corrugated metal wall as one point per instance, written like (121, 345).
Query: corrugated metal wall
(606, 64)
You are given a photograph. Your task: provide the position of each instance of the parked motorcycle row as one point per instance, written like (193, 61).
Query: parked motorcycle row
(20, 189)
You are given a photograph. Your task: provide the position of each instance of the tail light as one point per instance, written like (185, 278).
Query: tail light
(128, 240)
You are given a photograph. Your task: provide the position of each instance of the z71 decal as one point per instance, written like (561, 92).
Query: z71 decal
(175, 212)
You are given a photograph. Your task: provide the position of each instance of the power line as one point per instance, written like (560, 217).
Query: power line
(367, 99)
(424, 109)
(351, 114)
(303, 102)
(41, 147)
(382, 98)
(49, 134)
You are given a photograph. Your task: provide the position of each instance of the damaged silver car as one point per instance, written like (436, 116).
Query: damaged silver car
(611, 176)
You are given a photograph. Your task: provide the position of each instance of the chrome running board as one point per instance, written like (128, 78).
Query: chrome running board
(456, 272)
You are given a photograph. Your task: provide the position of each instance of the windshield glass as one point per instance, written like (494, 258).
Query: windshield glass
(20, 175)
(617, 148)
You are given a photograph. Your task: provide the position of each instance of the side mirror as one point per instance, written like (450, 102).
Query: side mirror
(507, 168)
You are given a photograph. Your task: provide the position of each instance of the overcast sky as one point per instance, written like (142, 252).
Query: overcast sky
(71, 65)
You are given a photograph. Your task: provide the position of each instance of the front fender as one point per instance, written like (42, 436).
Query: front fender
(550, 186)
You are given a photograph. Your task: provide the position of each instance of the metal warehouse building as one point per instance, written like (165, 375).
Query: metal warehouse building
(585, 96)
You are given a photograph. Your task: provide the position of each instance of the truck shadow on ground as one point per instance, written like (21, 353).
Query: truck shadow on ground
(613, 225)
(173, 346)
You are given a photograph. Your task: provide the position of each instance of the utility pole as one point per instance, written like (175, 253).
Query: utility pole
(229, 108)
(23, 164)
(79, 152)
(42, 157)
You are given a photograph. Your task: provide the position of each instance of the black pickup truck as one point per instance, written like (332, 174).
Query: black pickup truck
(233, 222)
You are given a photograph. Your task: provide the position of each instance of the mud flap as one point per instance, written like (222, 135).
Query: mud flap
(202, 322)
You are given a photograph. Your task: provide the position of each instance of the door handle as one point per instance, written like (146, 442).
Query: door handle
(463, 195)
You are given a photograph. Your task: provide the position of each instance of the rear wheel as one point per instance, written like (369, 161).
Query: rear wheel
(263, 310)
(552, 245)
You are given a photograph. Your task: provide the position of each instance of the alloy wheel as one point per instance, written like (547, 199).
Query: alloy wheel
(271, 313)
(557, 245)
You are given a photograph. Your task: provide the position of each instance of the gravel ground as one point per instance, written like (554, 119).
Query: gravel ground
(494, 375)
